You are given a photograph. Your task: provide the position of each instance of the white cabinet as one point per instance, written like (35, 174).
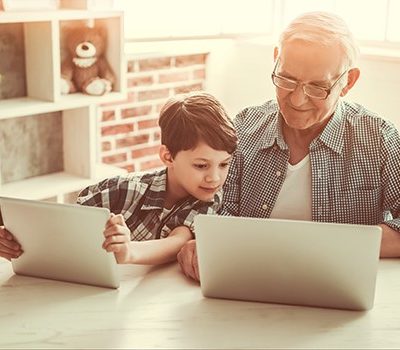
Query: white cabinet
(43, 42)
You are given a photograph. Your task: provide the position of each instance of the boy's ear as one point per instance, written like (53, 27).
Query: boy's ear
(165, 155)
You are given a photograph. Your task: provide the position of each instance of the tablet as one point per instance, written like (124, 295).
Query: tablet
(60, 241)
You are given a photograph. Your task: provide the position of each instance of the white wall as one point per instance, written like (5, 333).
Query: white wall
(239, 74)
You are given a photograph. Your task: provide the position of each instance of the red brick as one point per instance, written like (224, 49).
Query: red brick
(106, 146)
(199, 74)
(131, 66)
(115, 103)
(188, 60)
(115, 158)
(145, 124)
(158, 107)
(140, 81)
(136, 111)
(132, 96)
(148, 151)
(154, 63)
(108, 115)
(172, 77)
(153, 94)
(157, 135)
(116, 129)
(151, 164)
(188, 88)
(130, 168)
(133, 140)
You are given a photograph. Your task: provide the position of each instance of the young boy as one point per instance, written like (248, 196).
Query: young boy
(153, 213)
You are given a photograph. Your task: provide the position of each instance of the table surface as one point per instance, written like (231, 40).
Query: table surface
(158, 307)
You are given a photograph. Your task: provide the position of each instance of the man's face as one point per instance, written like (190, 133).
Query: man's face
(200, 172)
(309, 63)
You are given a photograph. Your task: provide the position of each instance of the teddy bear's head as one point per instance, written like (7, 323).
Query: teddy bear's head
(85, 42)
(85, 67)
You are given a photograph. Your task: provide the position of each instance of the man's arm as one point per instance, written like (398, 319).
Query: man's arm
(390, 173)
(390, 245)
(152, 252)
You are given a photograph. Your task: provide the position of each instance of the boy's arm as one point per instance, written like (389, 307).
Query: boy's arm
(160, 251)
(152, 252)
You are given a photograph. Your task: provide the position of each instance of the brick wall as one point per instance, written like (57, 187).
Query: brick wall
(129, 132)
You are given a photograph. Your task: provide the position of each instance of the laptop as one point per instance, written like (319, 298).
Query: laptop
(287, 261)
(60, 241)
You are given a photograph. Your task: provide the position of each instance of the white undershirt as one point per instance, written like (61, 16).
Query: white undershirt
(294, 199)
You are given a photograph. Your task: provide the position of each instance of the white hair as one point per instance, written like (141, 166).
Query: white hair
(323, 28)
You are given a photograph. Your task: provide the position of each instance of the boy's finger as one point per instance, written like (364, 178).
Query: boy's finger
(5, 234)
(116, 230)
(118, 220)
(10, 244)
(10, 254)
(115, 239)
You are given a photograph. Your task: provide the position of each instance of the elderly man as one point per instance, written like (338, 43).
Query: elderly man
(309, 155)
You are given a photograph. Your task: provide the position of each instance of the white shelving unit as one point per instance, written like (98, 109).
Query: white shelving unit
(43, 36)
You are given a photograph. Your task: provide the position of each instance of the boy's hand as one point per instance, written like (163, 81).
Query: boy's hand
(9, 247)
(118, 238)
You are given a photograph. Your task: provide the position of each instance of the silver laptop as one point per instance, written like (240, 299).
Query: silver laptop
(60, 241)
(287, 261)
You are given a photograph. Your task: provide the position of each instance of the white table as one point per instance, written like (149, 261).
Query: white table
(159, 307)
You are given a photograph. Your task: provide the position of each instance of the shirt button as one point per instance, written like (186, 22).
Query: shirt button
(278, 173)
(275, 147)
(265, 206)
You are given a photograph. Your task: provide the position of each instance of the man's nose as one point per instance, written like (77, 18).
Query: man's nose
(298, 97)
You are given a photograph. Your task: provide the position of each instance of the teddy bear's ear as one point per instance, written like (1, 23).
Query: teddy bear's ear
(101, 30)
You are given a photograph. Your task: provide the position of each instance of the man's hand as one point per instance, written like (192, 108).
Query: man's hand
(117, 239)
(9, 247)
(187, 258)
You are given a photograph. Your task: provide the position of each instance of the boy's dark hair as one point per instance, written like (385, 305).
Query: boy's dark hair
(187, 119)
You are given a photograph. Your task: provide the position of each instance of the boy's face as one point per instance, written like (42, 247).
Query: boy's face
(199, 172)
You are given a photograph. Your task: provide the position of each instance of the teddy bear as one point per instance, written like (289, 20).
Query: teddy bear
(85, 68)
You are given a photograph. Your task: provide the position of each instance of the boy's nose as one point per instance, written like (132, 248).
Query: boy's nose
(213, 176)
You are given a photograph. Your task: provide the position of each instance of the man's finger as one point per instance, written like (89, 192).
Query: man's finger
(195, 264)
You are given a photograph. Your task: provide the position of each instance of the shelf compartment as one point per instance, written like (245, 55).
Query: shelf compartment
(114, 49)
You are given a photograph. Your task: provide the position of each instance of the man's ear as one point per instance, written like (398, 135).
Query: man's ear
(276, 53)
(352, 78)
(165, 155)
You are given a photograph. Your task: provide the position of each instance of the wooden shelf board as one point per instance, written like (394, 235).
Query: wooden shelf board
(46, 186)
(24, 106)
(61, 15)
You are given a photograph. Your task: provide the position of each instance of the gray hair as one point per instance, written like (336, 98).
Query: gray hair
(324, 28)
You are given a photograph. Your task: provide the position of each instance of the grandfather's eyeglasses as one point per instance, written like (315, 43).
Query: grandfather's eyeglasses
(311, 90)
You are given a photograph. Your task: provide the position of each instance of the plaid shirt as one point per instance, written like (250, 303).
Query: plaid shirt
(355, 166)
(140, 199)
